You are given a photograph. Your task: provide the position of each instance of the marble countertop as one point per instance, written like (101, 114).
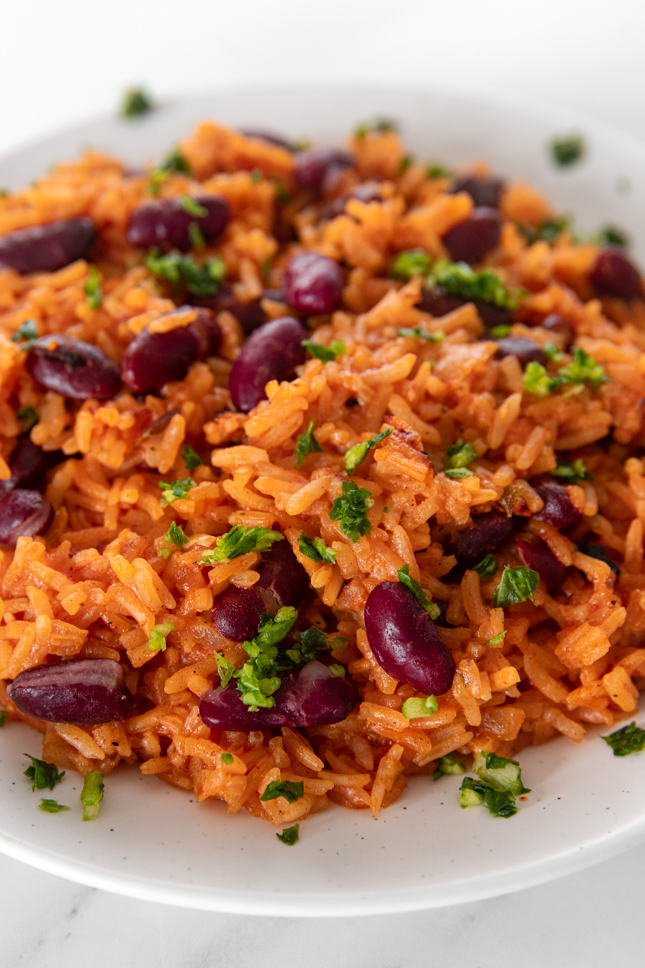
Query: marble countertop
(66, 61)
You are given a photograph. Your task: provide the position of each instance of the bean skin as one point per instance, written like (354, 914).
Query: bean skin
(29, 464)
(540, 558)
(46, 248)
(614, 275)
(526, 350)
(482, 538)
(76, 370)
(314, 165)
(249, 315)
(23, 514)
(272, 352)
(485, 191)
(88, 691)
(470, 240)
(554, 323)
(439, 303)
(154, 359)
(236, 613)
(166, 224)
(558, 509)
(313, 284)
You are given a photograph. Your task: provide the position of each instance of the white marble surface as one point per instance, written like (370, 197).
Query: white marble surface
(67, 60)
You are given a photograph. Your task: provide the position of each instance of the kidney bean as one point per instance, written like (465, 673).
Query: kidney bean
(404, 640)
(272, 352)
(600, 553)
(76, 370)
(554, 323)
(485, 190)
(89, 691)
(312, 696)
(614, 275)
(283, 580)
(438, 303)
(153, 359)
(539, 557)
(249, 315)
(46, 248)
(271, 139)
(236, 613)
(470, 240)
(526, 350)
(313, 284)
(314, 165)
(483, 537)
(558, 509)
(23, 514)
(166, 224)
(29, 464)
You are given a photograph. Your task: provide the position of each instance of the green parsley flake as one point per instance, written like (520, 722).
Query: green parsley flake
(438, 170)
(173, 163)
(175, 490)
(459, 279)
(290, 790)
(516, 585)
(157, 640)
(377, 127)
(306, 443)
(416, 707)
(316, 549)
(325, 353)
(174, 536)
(4, 716)
(500, 774)
(572, 472)
(351, 510)
(553, 353)
(93, 290)
(227, 758)
(309, 643)
(92, 794)
(224, 668)
(629, 739)
(460, 454)
(26, 333)
(448, 766)
(420, 333)
(496, 639)
(414, 262)
(28, 417)
(567, 150)
(179, 270)
(192, 206)
(240, 540)
(499, 332)
(196, 236)
(290, 835)
(190, 458)
(431, 608)
(537, 380)
(42, 775)
(610, 235)
(337, 669)
(475, 793)
(51, 806)
(487, 567)
(457, 473)
(583, 369)
(136, 102)
(257, 680)
(357, 454)
(547, 231)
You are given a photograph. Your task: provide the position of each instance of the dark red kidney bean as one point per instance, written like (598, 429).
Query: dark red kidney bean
(166, 224)
(272, 352)
(29, 464)
(470, 240)
(614, 275)
(88, 691)
(558, 509)
(153, 359)
(313, 284)
(315, 164)
(599, 552)
(483, 537)
(366, 192)
(404, 640)
(485, 191)
(269, 137)
(492, 315)
(312, 696)
(554, 323)
(438, 303)
(539, 557)
(23, 514)
(283, 580)
(249, 315)
(526, 350)
(236, 613)
(76, 370)
(46, 248)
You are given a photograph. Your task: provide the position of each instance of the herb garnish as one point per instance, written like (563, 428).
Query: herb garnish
(316, 549)
(325, 353)
(420, 333)
(175, 490)
(516, 585)
(157, 640)
(448, 766)
(177, 269)
(92, 794)
(192, 206)
(496, 639)
(500, 781)
(309, 643)
(487, 567)
(306, 443)
(175, 535)
(610, 235)
(28, 417)
(629, 739)
(240, 540)
(573, 472)
(357, 454)
(413, 262)
(290, 835)
(42, 775)
(51, 806)
(459, 279)
(93, 290)
(351, 510)
(437, 170)
(499, 332)
(190, 458)
(416, 707)
(547, 231)
(289, 789)
(136, 103)
(257, 680)
(431, 608)
(379, 127)
(460, 454)
(537, 380)
(26, 333)
(4, 716)
(173, 163)
(583, 369)
(567, 150)
(227, 758)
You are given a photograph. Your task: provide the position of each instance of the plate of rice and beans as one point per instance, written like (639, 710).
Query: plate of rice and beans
(321, 500)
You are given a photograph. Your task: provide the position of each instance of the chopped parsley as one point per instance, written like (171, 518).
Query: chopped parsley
(567, 150)
(175, 535)
(175, 490)
(93, 291)
(26, 333)
(475, 793)
(257, 680)
(42, 775)
(629, 739)
(600, 553)
(420, 333)
(547, 231)
(416, 707)
(192, 206)
(325, 353)
(190, 458)
(438, 170)
(306, 443)
(240, 540)
(337, 669)
(572, 471)
(290, 835)
(157, 640)
(28, 417)
(196, 236)
(51, 806)
(487, 567)
(309, 643)
(460, 454)
(351, 510)
(457, 473)
(553, 353)
(136, 102)
(610, 235)
(516, 585)
(316, 549)
(500, 781)
(92, 794)
(583, 369)
(227, 758)
(289, 789)
(4, 716)
(224, 668)
(379, 127)
(459, 279)
(178, 269)
(357, 454)
(414, 262)
(431, 608)
(499, 332)
(537, 380)
(448, 766)
(496, 639)
(173, 163)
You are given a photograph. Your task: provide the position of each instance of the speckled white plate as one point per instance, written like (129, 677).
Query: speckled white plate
(156, 843)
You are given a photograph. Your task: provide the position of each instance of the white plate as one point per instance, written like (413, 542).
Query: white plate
(156, 843)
